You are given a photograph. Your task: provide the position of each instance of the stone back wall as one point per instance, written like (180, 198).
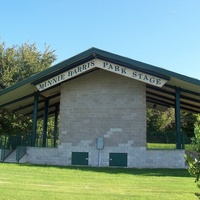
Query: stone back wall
(103, 104)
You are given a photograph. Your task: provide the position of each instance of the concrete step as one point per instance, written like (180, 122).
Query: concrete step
(11, 158)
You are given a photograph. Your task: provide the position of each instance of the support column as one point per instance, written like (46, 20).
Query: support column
(178, 118)
(55, 124)
(34, 125)
(45, 121)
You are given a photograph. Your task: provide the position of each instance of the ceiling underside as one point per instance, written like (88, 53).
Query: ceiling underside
(164, 98)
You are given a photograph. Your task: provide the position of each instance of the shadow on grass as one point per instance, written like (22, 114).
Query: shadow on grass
(112, 170)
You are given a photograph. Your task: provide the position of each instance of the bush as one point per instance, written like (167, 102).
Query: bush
(193, 158)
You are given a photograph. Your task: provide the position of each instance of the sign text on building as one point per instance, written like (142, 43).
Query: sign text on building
(131, 73)
(97, 63)
(66, 75)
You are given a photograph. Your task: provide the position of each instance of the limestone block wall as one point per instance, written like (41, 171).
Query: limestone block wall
(137, 158)
(102, 104)
(165, 158)
(45, 156)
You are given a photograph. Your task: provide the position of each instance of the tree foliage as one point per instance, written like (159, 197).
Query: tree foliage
(20, 62)
(188, 121)
(193, 158)
(13, 123)
(17, 63)
(160, 121)
(161, 126)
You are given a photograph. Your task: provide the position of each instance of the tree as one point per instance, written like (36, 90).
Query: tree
(196, 138)
(160, 121)
(193, 158)
(20, 62)
(161, 126)
(188, 122)
(17, 63)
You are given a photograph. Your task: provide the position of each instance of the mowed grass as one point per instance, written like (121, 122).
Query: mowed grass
(47, 182)
(188, 147)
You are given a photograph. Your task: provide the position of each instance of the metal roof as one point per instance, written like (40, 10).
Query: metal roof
(20, 96)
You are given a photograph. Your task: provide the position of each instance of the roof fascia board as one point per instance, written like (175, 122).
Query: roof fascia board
(102, 64)
(47, 71)
(153, 68)
(90, 57)
(133, 66)
(63, 69)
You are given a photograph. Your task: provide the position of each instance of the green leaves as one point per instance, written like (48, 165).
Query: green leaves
(194, 165)
(196, 138)
(160, 121)
(17, 63)
(20, 62)
(193, 159)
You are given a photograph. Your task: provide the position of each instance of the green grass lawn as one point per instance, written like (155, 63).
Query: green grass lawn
(45, 182)
(188, 147)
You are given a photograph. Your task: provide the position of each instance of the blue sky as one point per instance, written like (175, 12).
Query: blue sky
(164, 33)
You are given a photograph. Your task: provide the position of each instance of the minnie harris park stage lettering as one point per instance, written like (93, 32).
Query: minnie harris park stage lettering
(97, 63)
